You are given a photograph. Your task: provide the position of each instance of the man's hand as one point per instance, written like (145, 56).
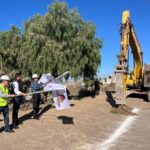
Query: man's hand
(24, 94)
(12, 95)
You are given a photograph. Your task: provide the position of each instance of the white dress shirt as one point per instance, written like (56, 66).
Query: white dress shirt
(16, 88)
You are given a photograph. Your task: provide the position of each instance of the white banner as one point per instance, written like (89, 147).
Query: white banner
(60, 97)
(50, 83)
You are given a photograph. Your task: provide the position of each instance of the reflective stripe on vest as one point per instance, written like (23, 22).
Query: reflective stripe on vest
(3, 101)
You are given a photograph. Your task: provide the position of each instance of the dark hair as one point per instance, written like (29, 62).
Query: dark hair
(17, 74)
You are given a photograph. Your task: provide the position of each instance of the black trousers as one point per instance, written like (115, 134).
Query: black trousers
(97, 89)
(36, 104)
(16, 106)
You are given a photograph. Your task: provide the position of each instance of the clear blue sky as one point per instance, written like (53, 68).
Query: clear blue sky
(105, 14)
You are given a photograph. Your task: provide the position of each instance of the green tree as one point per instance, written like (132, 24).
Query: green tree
(10, 43)
(61, 37)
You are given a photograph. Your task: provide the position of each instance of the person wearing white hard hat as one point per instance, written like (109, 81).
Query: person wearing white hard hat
(36, 97)
(4, 95)
(35, 76)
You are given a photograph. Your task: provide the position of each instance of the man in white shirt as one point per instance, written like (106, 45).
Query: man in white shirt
(18, 90)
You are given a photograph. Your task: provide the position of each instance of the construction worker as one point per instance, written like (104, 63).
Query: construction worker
(18, 90)
(97, 86)
(4, 83)
(36, 97)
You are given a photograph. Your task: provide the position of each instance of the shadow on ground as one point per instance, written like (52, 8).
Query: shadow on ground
(72, 105)
(144, 97)
(66, 119)
(30, 114)
(110, 99)
(45, 109)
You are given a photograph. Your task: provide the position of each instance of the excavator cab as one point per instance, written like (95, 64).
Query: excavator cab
(147, 79)
(147, 75)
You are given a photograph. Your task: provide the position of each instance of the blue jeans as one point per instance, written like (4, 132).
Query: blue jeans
(5, 111)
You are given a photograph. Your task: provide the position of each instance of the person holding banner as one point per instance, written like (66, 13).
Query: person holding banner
(4, 101)
(18, 90)
(36, 97)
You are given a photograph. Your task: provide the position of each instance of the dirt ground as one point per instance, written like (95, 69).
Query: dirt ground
(83, 127)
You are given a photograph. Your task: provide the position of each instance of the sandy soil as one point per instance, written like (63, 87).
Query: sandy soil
(83, 127)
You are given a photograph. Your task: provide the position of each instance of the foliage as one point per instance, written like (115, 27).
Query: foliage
(60, 37)
(10, 44)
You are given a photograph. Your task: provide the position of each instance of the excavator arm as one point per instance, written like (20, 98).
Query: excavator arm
(128, 38)
(138, 58)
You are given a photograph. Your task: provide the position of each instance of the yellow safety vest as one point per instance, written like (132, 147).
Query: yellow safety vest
(3, 100)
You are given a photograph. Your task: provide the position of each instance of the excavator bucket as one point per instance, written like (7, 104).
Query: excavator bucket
(120, 89)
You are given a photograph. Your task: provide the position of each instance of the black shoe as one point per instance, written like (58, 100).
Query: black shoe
(15, 127)
(9, 131)
(36, 118)
(20, 123)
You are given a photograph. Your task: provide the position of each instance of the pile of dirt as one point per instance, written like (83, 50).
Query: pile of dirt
(74, 88)
(108, 87)
(124, 109)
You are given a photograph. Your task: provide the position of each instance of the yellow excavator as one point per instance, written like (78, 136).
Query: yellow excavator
(140, 77)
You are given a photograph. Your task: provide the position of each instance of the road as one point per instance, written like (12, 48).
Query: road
(86, 126)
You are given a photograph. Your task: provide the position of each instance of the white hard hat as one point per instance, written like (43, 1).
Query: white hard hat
(5, 77)
(35, 76)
